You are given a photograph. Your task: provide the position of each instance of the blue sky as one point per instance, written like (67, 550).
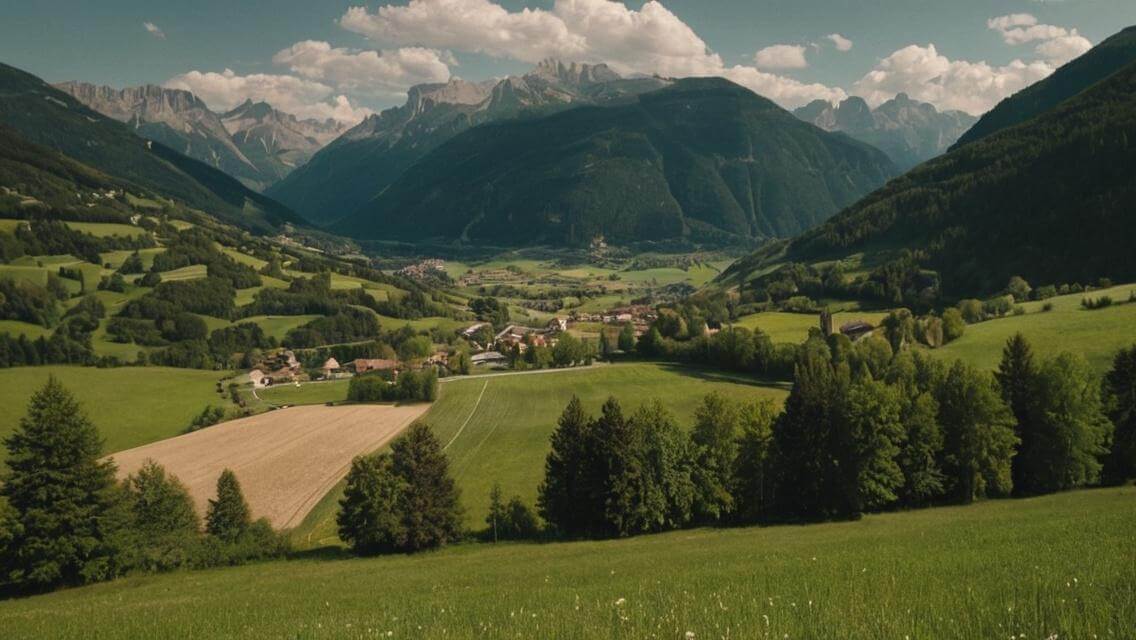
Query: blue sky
(343, 59)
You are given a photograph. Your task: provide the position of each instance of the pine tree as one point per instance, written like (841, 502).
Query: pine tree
(1120, 403)
(227, 516)
(563, 499)
(614, 474)
(66, 516)
(428, 502)
(715, 437)
(369, 518)
(978, 433)
(163, 518)
(1017, 378)
(497, 515)
(627, 338)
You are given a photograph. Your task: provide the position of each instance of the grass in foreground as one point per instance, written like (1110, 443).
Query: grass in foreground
(496, 429)
(1058, 566)
(131, 406)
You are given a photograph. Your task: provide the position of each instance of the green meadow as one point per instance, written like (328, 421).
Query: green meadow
(131, 406)
(1097, 334)
(1060, 566)
(794, 327)
(496, 428)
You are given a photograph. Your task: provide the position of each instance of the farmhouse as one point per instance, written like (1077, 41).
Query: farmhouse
(856, 329)
(331, 369)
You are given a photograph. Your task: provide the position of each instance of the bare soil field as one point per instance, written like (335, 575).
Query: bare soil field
(285, 460)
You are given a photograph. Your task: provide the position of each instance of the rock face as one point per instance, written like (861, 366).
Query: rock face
(254, 143)
(367, 159)
(910, 132)
(700, 159)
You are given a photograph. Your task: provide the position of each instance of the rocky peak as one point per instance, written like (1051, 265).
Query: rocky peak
(573, 73)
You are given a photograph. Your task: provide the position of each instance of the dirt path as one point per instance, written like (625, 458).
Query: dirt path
(286, 460)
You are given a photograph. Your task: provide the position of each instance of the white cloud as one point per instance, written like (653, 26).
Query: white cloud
(154, 30)
(648, 40)
(781, 56)
(924, 74)
(1058, 45)
(840, 42)
(300, 97)
(388, 73)
(1061, 50)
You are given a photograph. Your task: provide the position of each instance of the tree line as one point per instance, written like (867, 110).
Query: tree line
(66, 521)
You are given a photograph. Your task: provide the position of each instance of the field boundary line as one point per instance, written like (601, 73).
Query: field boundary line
(469, 417)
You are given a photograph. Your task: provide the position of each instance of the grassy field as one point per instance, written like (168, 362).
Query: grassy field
(496, 429)
(794, 327)
(130, 406)
(107, 229)
(1096, 335)
(1060, 566)
(32, 331)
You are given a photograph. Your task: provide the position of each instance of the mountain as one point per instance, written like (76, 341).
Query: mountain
(277, 142)
(254, 143)
(1108, 57)
(908, 131)
(1049, 200)
(364, 161)
(703, 159)
(46, 116)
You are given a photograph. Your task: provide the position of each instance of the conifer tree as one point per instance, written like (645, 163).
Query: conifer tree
(1120, 403)
(615, 472)
(563, 496)
(369, 518)
(227, 516)
(428, 502)
(497, 515)
(1017, 379)
(66, 516)
(163, 518)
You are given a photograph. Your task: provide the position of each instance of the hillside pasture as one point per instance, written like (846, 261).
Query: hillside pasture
(794, 327)
(285, 460)
(1058, 566)
(130, 406)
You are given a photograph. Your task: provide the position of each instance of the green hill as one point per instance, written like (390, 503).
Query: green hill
(43, 115)
(1057, 566)
(1049, 200)
(1102, 61)
(703, 159)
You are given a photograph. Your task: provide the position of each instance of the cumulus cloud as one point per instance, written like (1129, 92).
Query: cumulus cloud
(649, 40)
(781, 56)
(925, 74)
(154, 30)
(1058, 45)
(298, 96)
(840, 42)
(389, 72)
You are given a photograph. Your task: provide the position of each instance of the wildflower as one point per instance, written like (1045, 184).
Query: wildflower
(619, 603)
(689, 635)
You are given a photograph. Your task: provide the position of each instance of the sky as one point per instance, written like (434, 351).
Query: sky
(345, 60)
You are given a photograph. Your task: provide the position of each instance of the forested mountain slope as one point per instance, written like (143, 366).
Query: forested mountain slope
(703, 159)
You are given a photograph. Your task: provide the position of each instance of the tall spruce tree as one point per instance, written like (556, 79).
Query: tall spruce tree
(428, 502)
(66, 517)
(978, 434)
(369, 519)
(1120, 404)
(227, 516)
(615, 472)
(563, 496)
(715, 438)
(1017, 380)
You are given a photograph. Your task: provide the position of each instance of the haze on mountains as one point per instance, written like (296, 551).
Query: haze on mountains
(254, 143)
(907, 130)
(702, 159)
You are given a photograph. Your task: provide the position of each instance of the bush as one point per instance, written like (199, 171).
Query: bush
(208, 417)
(1099, 303)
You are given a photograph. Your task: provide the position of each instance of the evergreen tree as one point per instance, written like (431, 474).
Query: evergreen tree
(1017, 379)
(428, 502)
(520, 521)
(615, 473)
(751, 466)
(227, 516)
(1120, 403)
(369, 519)
(715, 438)
(66, 517)
(978, 433)
(497, 515)
(1071, 428)
(563, 496)
(627, 338)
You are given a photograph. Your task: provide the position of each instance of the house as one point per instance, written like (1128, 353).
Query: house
(363, 365)
(258, 379)
(856, 329)
(331, 369)
(557, 325)
(473, 328)
(487, 358)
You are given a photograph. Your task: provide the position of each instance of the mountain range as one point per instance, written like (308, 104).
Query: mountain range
(351, 171)
(46, 117)
(910, 132)
(699, 158)
(1049, 198)
(254, 142)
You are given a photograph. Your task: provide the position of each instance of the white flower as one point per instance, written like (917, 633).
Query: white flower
(689, 635)
(619, 603)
